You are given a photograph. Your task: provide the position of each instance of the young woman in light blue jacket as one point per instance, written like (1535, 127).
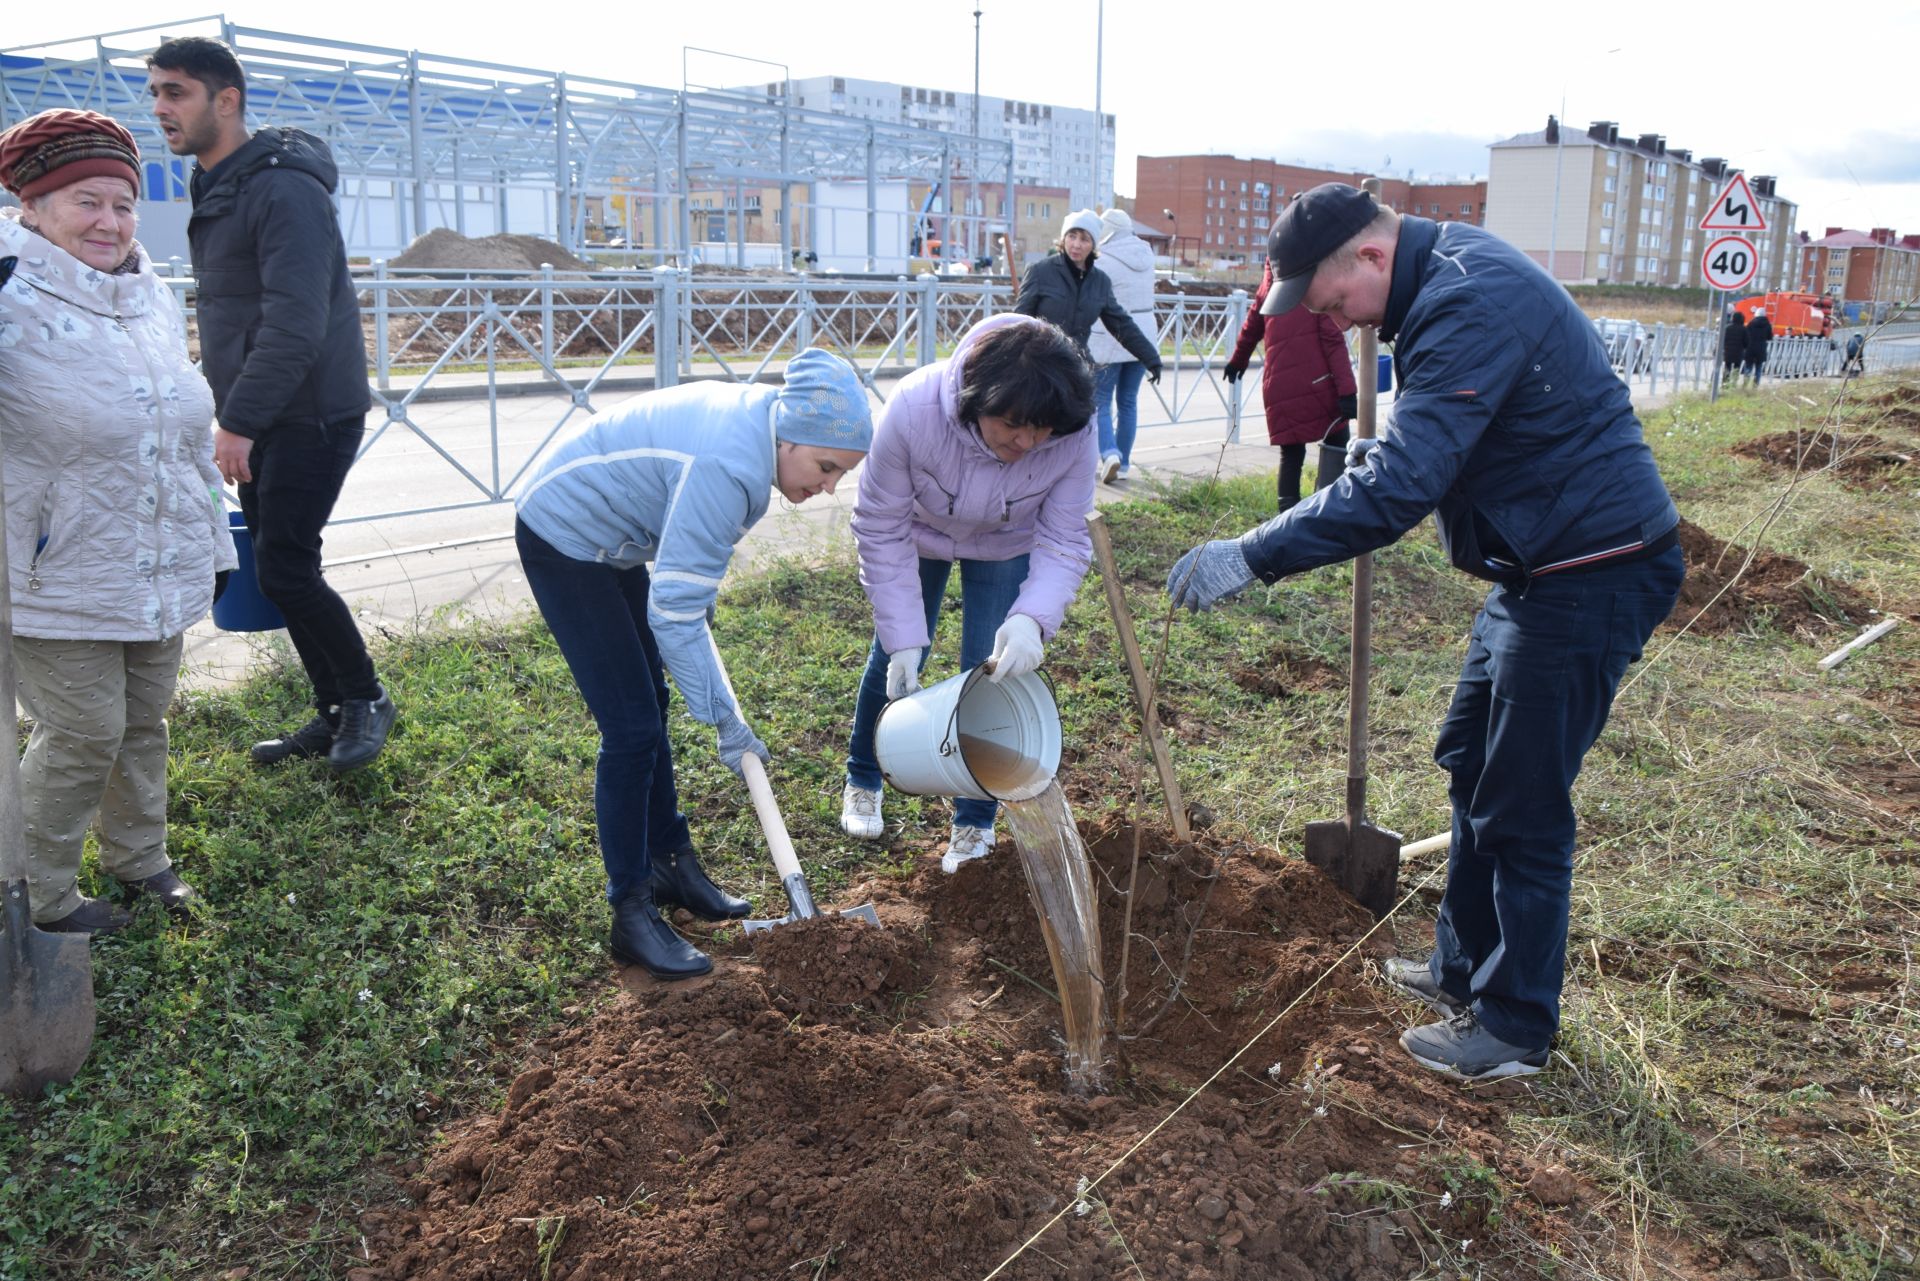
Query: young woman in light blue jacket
(675, 477)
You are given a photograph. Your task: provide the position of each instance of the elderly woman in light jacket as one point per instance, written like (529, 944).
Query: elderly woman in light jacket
(113, 532)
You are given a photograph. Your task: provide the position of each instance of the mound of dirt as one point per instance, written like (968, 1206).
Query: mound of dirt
(1283, 673)
(764, 1126)
(445, 250)
(1774, 587)
(1862, 462)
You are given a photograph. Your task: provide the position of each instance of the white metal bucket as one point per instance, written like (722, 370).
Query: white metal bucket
(967, 736)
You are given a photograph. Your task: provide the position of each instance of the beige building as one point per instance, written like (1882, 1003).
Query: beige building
(1598, 207)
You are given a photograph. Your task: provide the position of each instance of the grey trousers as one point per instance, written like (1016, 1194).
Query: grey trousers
(97, 756)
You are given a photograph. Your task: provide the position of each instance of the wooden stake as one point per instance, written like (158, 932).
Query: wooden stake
(1137, 670)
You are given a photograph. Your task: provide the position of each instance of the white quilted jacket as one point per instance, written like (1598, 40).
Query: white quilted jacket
(112, 529)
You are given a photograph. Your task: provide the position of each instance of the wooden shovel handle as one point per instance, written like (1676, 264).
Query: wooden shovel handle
(767, 810)
(1367, 407)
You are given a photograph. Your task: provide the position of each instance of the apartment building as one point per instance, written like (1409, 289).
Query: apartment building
(1863, 268)
(1220, 207)
(1603, 207)
(1053, 145)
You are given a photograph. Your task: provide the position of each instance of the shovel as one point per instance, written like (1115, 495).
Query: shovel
(785, 862)
(1360, 858)
(46, 980)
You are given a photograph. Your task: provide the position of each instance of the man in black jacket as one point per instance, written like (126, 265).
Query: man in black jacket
(1513, 430)
(1758, 338)
(281, 346)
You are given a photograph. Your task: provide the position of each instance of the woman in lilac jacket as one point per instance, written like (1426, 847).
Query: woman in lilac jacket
(984, 459)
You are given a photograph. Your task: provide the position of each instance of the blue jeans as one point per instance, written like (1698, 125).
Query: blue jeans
(1541, 671)
(598, 615)
(988, 589)
(1118, 382)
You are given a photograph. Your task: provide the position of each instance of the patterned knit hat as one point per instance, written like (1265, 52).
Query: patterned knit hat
(48, 151)
(823, 404)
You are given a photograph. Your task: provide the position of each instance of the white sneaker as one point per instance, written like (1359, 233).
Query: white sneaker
(860, 813)
(964, 845)
(1109, 468)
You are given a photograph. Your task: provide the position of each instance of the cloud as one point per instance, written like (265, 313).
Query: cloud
(1870, 156)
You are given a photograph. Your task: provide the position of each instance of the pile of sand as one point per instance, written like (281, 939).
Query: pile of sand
(444, 250)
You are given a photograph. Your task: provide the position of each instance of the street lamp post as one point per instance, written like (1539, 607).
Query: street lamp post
(1173, 249)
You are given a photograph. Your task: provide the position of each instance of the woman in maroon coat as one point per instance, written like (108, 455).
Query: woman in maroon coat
(1307, 385)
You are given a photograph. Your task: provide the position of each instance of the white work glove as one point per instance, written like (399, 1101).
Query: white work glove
(1358, 448)
(903, 672)
(736, 740)
(1209, 574)
(1016, 648)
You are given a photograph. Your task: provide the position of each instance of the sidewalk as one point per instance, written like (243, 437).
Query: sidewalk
(446, 568)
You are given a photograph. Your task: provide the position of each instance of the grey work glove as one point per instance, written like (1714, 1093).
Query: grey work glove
(1358, 449)
(1209, 574)
(736, 740)
(903, 672)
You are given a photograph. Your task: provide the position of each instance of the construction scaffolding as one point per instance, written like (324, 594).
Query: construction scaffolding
(426, 141)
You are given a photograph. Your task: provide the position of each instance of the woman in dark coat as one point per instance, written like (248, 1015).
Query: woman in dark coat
(1733, 343)
(1307, 383)
(1064, 288)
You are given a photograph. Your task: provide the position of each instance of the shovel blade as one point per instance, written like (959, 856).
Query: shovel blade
(865, 912)
(46, 1008)
(1360, 858)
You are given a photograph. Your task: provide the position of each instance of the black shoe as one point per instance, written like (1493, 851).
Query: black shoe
(315, 738)
(641, 938)
(174, 894)
(93, 916)
(680, 881)
(364, 726)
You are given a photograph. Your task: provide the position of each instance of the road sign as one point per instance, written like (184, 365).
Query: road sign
(1734, 209)
(1729, 262)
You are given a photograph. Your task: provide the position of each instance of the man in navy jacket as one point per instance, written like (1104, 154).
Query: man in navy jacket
(1513, 431)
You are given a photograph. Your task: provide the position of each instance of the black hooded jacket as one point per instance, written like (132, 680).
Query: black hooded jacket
(1053, 289)
(280, 339)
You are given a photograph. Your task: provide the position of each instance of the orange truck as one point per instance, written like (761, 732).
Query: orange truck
(1795, 314)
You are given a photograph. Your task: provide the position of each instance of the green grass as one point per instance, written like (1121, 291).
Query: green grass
(384, 946)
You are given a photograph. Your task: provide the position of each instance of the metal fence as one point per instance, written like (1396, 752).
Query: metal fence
(573, 342)
(578, 340)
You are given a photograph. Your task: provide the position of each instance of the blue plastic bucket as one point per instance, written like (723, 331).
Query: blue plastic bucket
(1385, 382)
(241, 608)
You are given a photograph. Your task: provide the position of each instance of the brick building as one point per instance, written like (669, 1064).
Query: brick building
(1864, 267)
(1221, 206)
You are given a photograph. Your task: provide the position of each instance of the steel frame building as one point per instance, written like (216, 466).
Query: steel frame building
(424, 140)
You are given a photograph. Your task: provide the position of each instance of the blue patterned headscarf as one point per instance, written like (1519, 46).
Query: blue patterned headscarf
(823, 404)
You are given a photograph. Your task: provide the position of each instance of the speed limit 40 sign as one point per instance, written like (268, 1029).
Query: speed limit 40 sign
(1729, 262)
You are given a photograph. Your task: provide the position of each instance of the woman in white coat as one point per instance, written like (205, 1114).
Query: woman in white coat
(114, 536)
(1128, 262)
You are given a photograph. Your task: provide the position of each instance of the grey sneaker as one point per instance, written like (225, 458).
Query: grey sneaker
(1460, 1048)
(1415, 979)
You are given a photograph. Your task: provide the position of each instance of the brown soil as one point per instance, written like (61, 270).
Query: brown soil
(1773, 587)
(444, 250)
(861, 1105)
(1862, 461)
(1283, 674)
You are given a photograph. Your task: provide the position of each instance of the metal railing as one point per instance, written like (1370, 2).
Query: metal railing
(577, 338)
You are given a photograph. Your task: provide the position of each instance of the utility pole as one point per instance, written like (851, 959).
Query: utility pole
(973, 249)
(1099, 120)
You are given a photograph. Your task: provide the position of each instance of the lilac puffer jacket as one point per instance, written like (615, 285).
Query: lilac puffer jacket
(932, 488)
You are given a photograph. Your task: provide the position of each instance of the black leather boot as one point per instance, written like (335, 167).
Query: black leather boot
(93, 916)
(174, 894)
(641, 938)
(680, 881)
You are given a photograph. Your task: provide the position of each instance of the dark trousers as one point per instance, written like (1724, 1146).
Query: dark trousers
(598, 615)
(297, 474)
(1539, 679)
(1293, 459)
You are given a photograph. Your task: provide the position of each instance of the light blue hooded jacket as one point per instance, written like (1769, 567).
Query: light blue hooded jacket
(675, 477)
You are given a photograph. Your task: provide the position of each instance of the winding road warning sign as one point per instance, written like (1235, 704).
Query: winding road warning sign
(1734, 209)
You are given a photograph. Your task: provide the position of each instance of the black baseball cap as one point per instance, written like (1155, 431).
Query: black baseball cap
(1314, 225)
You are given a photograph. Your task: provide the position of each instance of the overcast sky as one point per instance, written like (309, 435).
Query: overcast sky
(1820, 96)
